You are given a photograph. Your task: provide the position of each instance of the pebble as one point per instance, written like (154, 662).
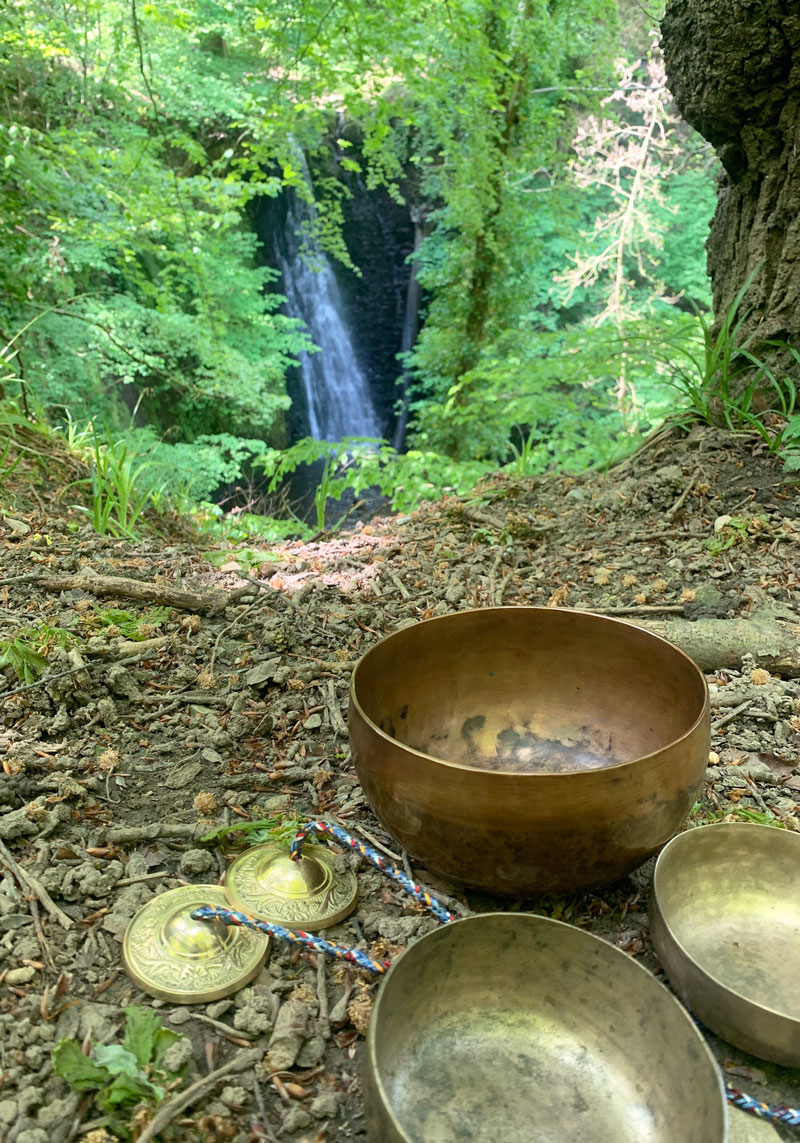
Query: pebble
(295, 1119)
(288, 1035)
(756, 769)
(324, 1106)
(197, 861)
(20, 975)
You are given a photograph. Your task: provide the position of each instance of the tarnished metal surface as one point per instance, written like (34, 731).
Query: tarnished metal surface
(511, 1027)
(310, 893)
(525, 749)
(725, 922)
(168, 954)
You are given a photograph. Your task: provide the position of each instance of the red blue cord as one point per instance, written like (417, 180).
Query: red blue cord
(411, 887)
(293, 936)
(787, 1115)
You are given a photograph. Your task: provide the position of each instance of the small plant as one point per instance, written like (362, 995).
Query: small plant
(133, 626)
(279, 830)
(27, 653)
(701, 816)
(525, 462)
(723, 379)
(246, 558)
(117, 501)
(731, 530)
(122, 1076)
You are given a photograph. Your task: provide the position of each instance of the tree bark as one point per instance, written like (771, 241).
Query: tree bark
(734, 69)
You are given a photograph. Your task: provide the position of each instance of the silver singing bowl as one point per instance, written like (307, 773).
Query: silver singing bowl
(514, 1028)
(725, 923)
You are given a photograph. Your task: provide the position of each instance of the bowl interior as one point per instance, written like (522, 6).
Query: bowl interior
(529, 689)
(513, 1027)
(730, 896)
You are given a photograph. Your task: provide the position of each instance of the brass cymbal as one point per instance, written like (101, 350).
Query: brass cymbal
(308, 894)
(168, 954)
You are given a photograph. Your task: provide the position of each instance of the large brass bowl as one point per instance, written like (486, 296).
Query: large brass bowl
(725, 922)
(524, 750)
(511, 1027)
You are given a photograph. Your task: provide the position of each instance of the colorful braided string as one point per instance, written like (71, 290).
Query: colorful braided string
(411, 887)
(294, 936)
(788, 1115)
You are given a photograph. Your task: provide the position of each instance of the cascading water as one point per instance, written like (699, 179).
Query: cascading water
(337, 394)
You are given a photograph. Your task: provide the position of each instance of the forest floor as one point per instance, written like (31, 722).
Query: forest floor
(154, 724)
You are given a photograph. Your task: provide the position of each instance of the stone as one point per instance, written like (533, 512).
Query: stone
(288, 1034)
(197, 861)
(295, 1119)
(21, 975)
(325, 1105)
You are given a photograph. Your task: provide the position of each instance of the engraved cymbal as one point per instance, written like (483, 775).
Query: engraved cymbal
(309, 894)
(168, 954)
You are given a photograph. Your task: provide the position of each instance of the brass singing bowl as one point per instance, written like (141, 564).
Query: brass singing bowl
(725, 923)
(511, 1027)
(523, 750)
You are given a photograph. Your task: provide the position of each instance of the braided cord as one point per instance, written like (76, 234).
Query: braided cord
(411, 887)
(787, 1115)
(293, 936)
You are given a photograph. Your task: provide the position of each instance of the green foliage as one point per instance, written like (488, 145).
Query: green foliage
(723, 380)
(246, 558)
(281, 831)
(121, 1076)
(701, 816)
(733, 530)
(115, 473)
(138, 140)
(135, 627)
(358, 463)
(235, 528)
(125, 260)
(27, 652)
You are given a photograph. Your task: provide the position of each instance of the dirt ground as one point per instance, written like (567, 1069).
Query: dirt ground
(153, 725)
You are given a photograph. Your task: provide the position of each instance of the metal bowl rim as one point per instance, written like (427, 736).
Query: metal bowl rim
(528, 918)
(675, 843)
(586, 775)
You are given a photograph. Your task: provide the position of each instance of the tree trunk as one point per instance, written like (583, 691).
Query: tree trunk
(734, 69)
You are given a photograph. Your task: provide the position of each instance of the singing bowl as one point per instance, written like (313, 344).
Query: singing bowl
(523, 750)
(725, 923)
(506, 1026)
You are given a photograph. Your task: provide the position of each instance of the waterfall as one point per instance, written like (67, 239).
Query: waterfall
(336, 391)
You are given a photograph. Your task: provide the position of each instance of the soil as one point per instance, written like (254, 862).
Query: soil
(151, 726)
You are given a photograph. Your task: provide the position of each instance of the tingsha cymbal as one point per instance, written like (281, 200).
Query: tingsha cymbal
(309, 894)
(171, 956)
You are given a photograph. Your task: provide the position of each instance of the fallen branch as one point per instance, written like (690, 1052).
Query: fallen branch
(164, 1116)
(171, 831)
(28, 881)
(122, 588)
(720, 644)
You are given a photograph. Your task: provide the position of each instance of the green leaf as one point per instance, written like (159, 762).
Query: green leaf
(127, 1090)
(80, 1072)
(164, 1040)
(116, 1059)
(141, 1028)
